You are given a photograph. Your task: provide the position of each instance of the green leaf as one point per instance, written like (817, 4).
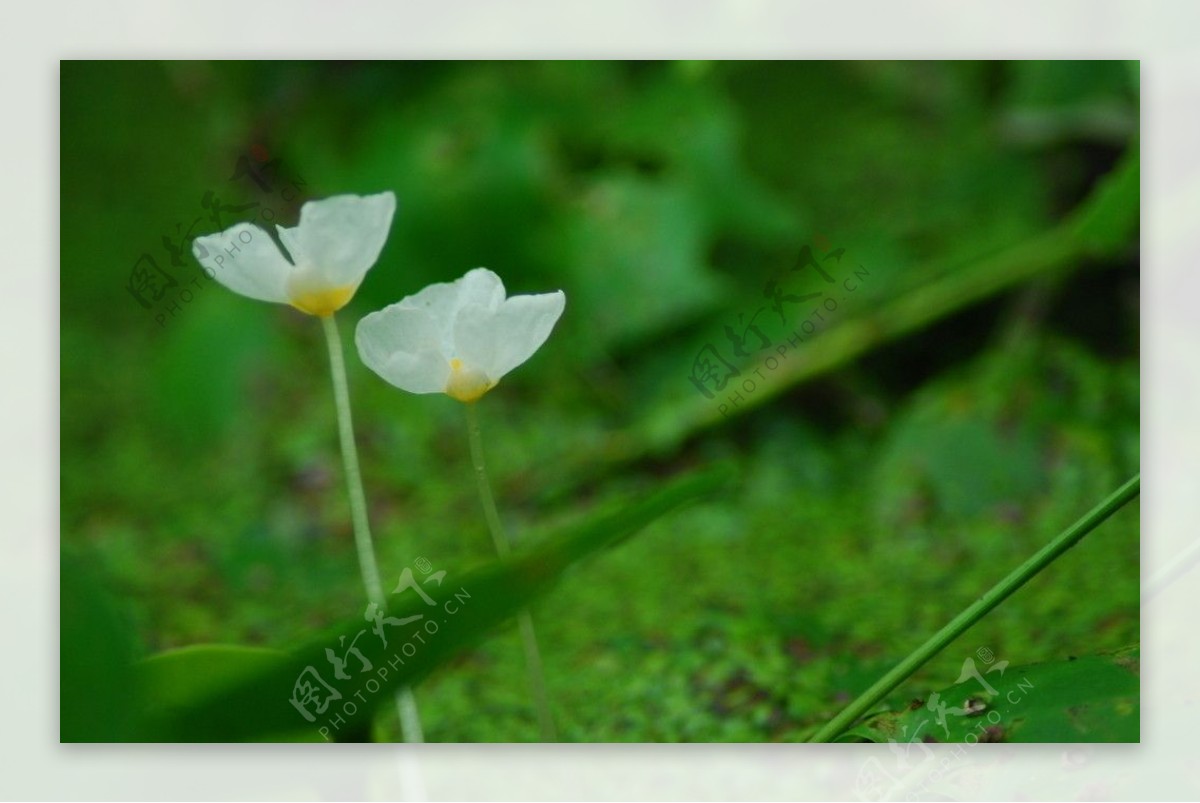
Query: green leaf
(257, 703)
(642, 243)
(174, 680)
(1090, 699)
(1109, 218)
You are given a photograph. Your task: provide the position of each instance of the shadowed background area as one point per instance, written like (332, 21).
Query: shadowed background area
(898, 300)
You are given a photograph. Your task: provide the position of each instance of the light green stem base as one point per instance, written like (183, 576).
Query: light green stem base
(406, 706)
(533, 656)
(978, 609)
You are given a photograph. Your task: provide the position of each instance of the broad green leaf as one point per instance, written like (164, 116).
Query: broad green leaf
(173, 680)
(258, 705)
(638, 251)
(1089, 699)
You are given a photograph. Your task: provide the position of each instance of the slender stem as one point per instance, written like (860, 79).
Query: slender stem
(533, 656)
(499, 537)
(976, 611)
(354, 486)
(406, 706)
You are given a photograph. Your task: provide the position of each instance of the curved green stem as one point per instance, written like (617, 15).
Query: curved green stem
(406, 706)
(978, 609)
(533, 656)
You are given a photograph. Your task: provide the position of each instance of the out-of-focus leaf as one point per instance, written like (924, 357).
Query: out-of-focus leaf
(1053, 103)
(1109, 217)
(981, 441)
(638, 257)
(966, 464)
(173, 680)
(260, 706)
(1089, 699)
(1057, 84)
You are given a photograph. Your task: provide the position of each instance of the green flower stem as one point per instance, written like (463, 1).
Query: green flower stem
(533, 656)
(406, 705)
(978, 609)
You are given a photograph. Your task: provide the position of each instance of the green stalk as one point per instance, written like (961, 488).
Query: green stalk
(533, 656)
(406, 705)
(978, 609)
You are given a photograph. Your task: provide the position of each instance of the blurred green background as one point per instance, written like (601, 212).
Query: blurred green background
(892, 477)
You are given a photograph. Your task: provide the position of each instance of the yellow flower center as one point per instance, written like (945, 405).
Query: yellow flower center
(324, 302)
(465, 384)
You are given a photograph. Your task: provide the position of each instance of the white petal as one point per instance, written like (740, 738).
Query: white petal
(444, 299)
(341, 237)
(396, 328)
(245, 259)
(474, 339)
(480, 286)
(427, 372)
(403, 346)
(474, 322)
(520, 327)
(439, 300)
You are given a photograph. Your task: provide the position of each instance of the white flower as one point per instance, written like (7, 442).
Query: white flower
(336, 242)
(457, 338)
